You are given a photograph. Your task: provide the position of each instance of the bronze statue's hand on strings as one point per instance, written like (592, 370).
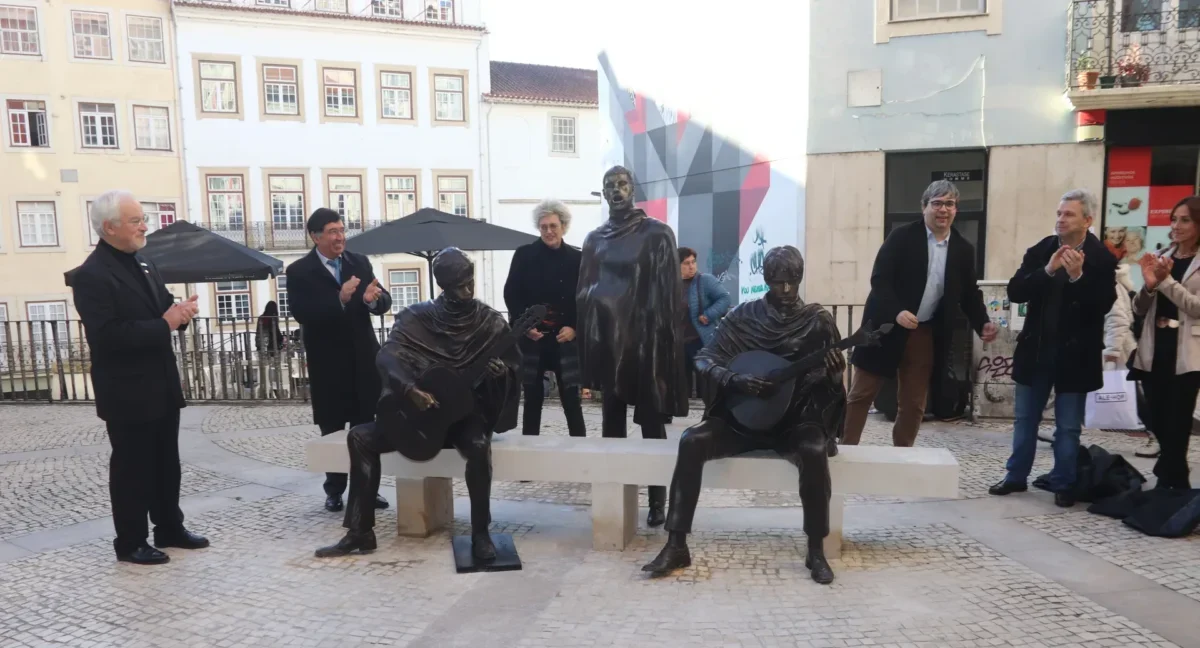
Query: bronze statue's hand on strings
(496, 367)
(423, 400)
(747, 384)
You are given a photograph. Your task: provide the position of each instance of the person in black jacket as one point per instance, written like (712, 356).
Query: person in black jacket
(333, 294)
(128, 319)
(924, 275)
(545, 272)
(1068, 282)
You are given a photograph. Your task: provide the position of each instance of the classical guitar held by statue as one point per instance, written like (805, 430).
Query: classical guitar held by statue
(762, 412)
(420, 434)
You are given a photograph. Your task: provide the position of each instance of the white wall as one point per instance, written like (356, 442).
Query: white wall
(524, 172)
(253, 145)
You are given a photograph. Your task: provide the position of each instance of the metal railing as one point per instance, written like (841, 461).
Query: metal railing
(278, 235)
(219, 359)
(1110, 47)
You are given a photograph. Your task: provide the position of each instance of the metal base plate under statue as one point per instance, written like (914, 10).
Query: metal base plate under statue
(506, 555)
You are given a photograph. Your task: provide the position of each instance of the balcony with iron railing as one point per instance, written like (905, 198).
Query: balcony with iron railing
(1133, 53)
(269, 237)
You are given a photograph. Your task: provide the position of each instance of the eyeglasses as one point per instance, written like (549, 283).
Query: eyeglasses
(943, 204)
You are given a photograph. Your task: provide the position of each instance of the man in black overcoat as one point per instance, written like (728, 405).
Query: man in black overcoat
(333, 293)
(923, 276)
(129, 319)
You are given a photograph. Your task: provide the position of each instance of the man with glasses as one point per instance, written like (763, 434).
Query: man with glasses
(923, 276)
(333, 294)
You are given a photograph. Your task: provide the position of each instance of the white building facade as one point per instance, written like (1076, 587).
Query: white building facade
(544, 142)
(369, 108)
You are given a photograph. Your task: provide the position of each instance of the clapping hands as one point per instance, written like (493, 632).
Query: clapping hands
(182, 313)
(1155, 270)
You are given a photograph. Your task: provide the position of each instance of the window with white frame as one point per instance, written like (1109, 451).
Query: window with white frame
(281, 297)
(98, 123)
(38, 224)
(233, 300)
(392, 8)
(275, 3)
(340, 99)
(218, 87)
(338, 6)
(226, 203)
(396, 94)
(440, 10)
(399, 196)
(562, 134)
(19, 30)
(452, 195)
(4, 350)
(27, 123)
(93, 237)
(48, 318)
(91, 33)
(405, 288)
(145, 36)
(287, 202)
(917, 9)
(158, 215)
(151, 128)
(281, 89)
(345, 197)
(448, 96)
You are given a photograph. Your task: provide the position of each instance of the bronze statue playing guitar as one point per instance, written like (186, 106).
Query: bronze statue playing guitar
(771, 379)
(450, 378)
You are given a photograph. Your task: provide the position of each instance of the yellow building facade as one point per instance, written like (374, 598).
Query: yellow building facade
(88, 92)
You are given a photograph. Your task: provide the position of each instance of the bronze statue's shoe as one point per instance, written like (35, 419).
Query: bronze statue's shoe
(671, 557)
(655, 517)
(819, 568)
(482, 547)
(350, 543)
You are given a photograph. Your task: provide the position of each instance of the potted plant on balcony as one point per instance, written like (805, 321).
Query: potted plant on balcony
(1132, 74)
(1088, 74)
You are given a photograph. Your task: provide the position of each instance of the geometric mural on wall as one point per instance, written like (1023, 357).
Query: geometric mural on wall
(705, 186)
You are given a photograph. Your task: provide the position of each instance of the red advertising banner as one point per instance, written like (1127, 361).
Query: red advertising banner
(1162, 199)
(1129, 167)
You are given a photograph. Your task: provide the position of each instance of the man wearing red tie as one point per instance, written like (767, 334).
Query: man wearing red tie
(333, 293)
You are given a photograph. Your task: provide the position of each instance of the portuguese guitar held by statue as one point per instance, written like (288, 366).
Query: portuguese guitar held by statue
(422, 433)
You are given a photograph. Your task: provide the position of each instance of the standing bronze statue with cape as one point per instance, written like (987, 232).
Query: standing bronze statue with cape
(453, 331)
(629, 305)
(781, 324)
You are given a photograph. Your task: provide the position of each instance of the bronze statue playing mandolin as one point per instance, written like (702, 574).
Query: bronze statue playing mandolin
(771, 379)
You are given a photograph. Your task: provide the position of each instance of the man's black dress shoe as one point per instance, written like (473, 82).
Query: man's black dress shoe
(1004, 488)
(333, 503)
(182, 539)
(144, 555)
(1064, 500)
(671, 557)
(819, 568)
(350, 543)
(380, 503)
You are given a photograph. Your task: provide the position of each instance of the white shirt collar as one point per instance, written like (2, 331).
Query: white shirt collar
(324, 260)
(930, 235)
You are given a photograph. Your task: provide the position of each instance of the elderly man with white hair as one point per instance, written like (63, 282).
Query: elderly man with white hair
(128, 319)
(545, 272)
(1067, 279)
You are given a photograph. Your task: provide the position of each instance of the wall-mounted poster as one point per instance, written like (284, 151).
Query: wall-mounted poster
(1128, 206)
(1162, 200)
(1129, 167)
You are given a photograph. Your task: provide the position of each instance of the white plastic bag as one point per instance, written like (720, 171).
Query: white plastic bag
(1114, 406)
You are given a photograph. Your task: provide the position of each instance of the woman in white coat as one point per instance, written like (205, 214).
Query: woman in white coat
(1119, 344)
(1167, 358)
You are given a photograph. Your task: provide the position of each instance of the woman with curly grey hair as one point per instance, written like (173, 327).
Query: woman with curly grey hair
(545, 272)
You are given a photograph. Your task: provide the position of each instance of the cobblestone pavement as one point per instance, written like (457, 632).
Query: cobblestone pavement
(926, 581)
(1171, 562)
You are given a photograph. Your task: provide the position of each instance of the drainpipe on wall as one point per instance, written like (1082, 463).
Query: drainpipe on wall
(485, 179)
(187, 288)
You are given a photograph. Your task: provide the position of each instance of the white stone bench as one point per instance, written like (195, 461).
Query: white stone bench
(616, 467)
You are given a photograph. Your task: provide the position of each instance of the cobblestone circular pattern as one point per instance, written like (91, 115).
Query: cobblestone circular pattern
(26, 428)
(257, 416)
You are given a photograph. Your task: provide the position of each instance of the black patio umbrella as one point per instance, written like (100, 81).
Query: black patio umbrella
(185, 253)
(428, 231)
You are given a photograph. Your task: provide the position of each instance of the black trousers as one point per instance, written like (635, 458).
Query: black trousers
(805, 446)
(144, 477)
(690, 349)
(549, 359)
(366, 443)
(1172, 402)
(335, 483)
(614, 424)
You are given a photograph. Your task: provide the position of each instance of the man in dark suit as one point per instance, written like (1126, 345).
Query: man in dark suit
(128, 318)
(1067, 280)
(924, 275)
(333, 294)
